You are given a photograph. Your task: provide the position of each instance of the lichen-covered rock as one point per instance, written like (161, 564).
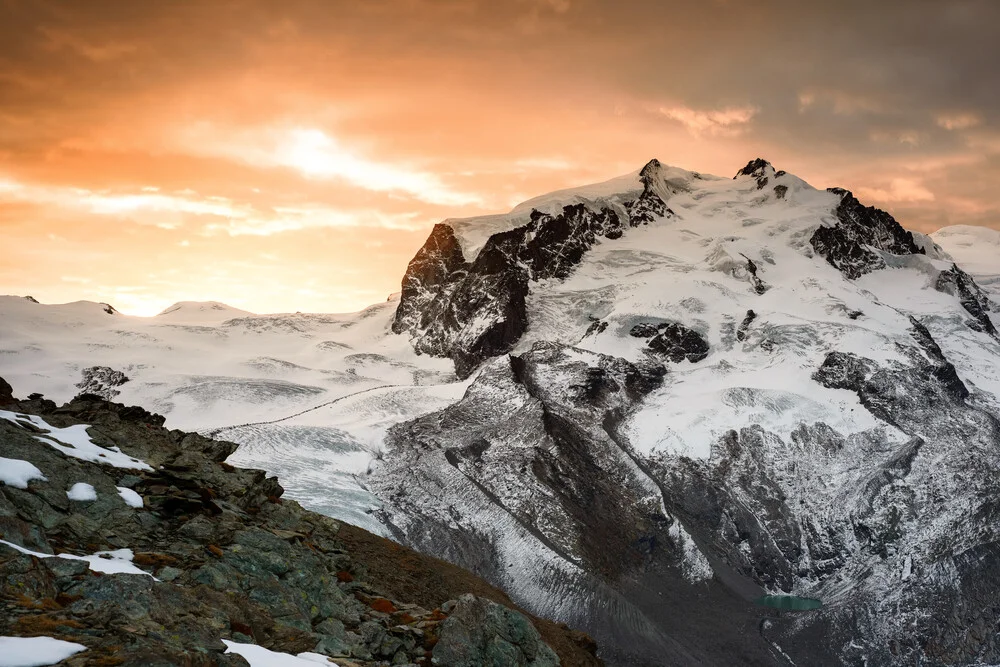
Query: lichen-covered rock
(480, 633)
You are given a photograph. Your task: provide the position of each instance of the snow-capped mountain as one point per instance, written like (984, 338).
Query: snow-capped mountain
(713, 390)
(640, 407)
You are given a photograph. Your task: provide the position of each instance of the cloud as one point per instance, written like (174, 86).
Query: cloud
(841, 102)
(899, 190)
(714, 122)
(208, 214)
(958, 121)
(318, 155)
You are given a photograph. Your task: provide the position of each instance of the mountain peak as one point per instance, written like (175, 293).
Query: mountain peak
(650, 169)
(201, 312)
(755, 168)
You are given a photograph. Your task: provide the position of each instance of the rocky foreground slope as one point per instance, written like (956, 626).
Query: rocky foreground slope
(141, 545)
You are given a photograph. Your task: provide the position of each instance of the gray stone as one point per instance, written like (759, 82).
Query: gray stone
(482, 633)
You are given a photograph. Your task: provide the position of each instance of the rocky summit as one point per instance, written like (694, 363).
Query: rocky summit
(143, 547)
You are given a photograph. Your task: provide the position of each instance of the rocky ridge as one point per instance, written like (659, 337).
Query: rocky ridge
(206, 551)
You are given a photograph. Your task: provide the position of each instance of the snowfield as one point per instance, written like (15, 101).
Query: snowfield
(220, 370)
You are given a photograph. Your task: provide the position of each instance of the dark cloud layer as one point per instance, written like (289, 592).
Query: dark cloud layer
(264, 120)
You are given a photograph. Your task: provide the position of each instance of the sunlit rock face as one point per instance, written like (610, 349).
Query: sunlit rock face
(473, 308)
(753, 390)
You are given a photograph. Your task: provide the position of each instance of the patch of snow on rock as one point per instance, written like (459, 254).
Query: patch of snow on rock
(131, 498)
(17, 473)
(74, 441)
(258, 656)
(35, 651)
(82, 492)
(118, 561)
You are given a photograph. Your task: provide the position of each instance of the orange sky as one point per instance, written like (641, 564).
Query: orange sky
(294, 155)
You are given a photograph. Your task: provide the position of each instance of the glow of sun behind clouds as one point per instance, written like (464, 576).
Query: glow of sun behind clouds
(315, 154)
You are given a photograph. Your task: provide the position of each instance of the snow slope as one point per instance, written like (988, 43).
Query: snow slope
(209, 367)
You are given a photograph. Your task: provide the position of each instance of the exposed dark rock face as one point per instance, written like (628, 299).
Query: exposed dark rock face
(644, 330)
(101, 381)
(471, 311)
(676, 342)
(960, 284)
(672, 341)
(780, 191)
(232, 560)
(596, 327)
(648, 206)
(848, 245)
(741, 331)
(6, 393)
(759, 286)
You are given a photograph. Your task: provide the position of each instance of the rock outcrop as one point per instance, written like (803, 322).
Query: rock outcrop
(850, 245)
(190, 551)
(101, 381)
(960, 284)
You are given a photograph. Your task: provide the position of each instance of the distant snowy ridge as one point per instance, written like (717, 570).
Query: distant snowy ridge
(977, 250)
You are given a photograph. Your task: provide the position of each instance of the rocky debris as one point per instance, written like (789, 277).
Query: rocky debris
(31, 299)
(960, 284)
(741, 331)
(850, 245)
(101, 381)
(473, 310)
(672, 341)
(228, 558)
